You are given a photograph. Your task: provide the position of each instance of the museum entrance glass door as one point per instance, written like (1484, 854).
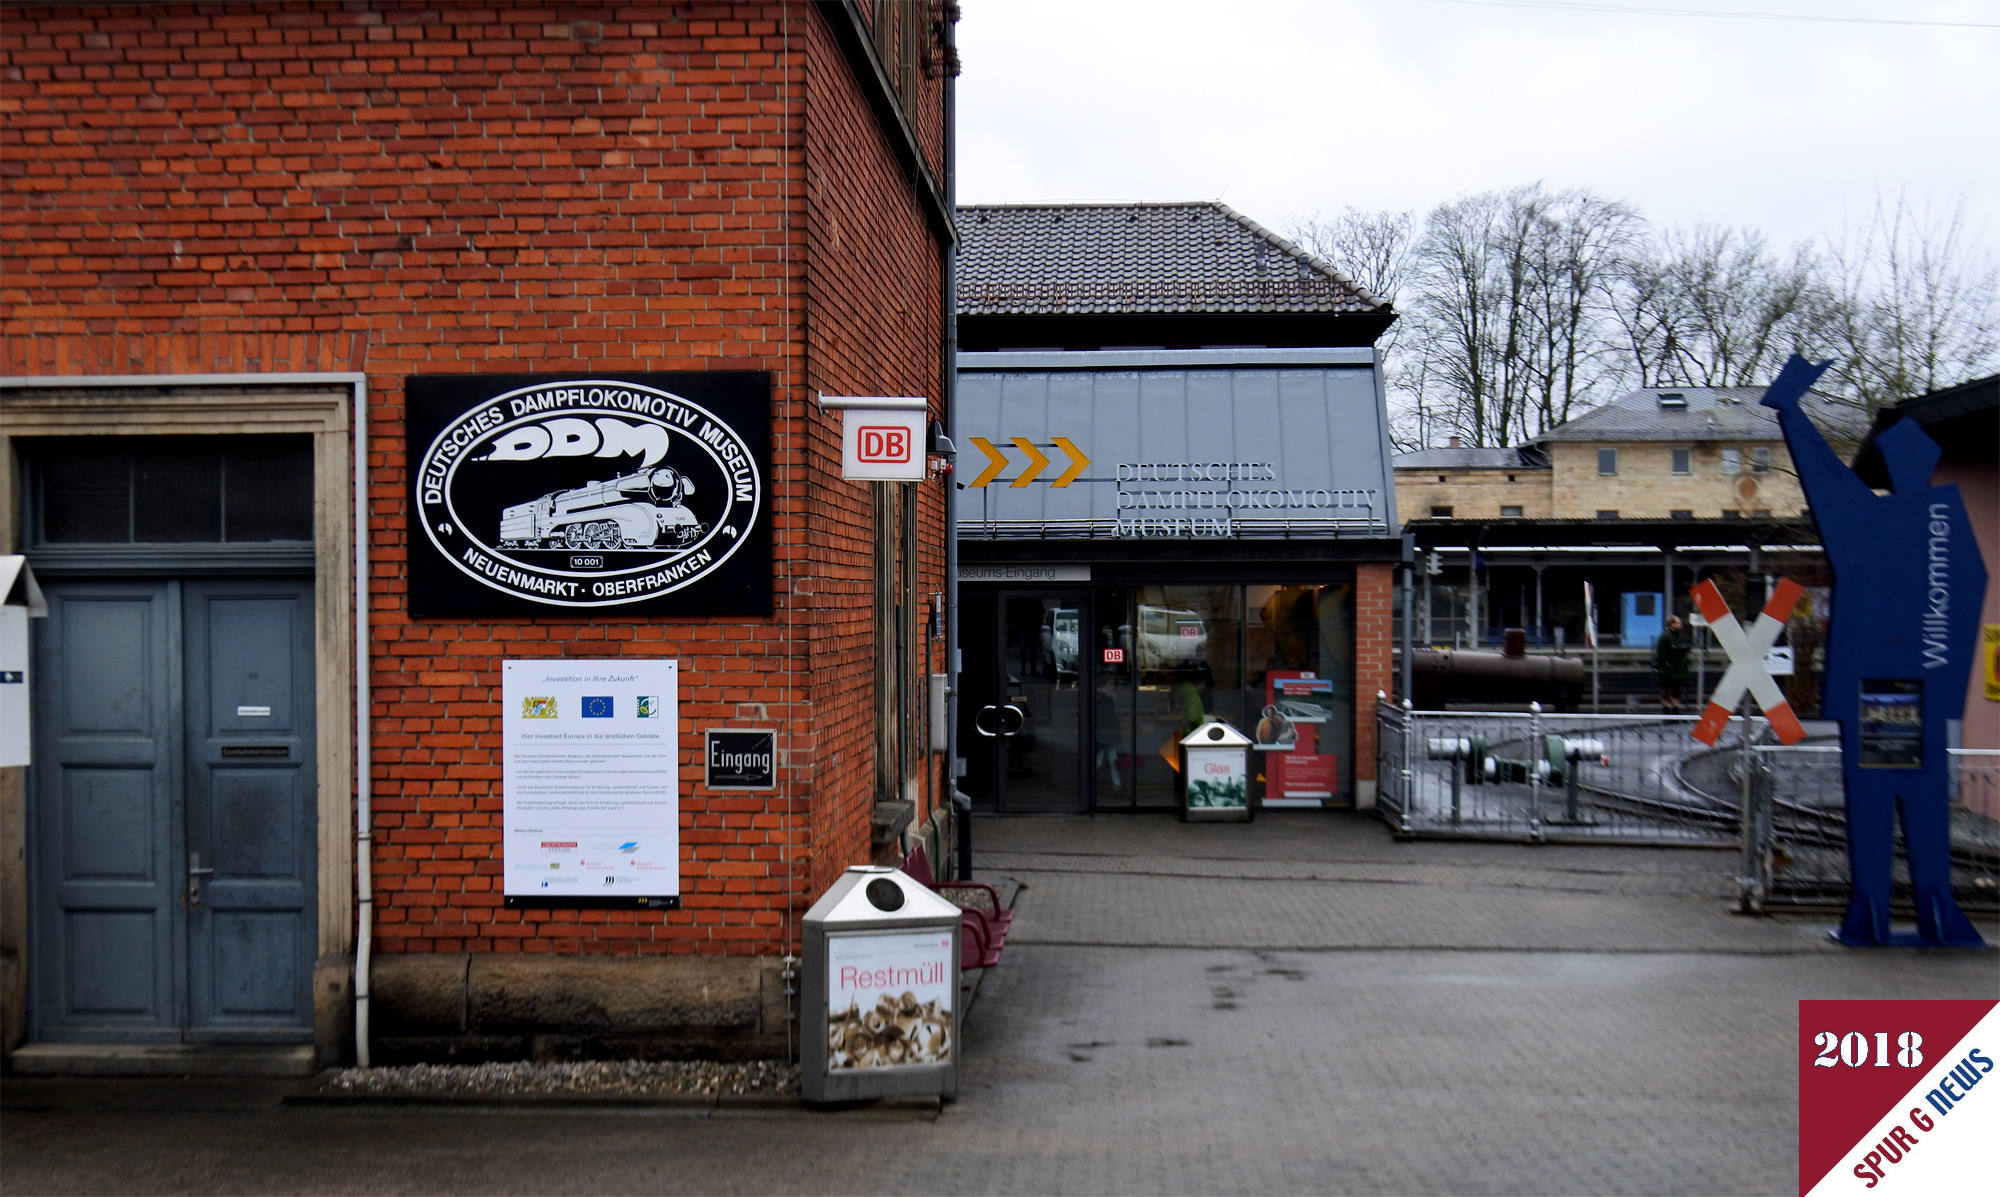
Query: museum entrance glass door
(1021, 708)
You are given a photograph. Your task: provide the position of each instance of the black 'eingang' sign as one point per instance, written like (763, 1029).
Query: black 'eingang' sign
(740, 759)
(546, 494)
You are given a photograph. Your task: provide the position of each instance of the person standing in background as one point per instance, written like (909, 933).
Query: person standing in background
(1670, 666)
(1188, 701)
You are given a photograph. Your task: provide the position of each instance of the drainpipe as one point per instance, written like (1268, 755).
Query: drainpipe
(961, 806)
(1409, 564)
(364, 943)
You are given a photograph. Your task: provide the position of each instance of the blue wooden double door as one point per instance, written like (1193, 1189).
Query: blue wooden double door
(172, 812)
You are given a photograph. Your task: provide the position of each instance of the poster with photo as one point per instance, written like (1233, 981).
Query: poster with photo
(1297, 706)
(590, 770)
(1892, 723)
(889, 999)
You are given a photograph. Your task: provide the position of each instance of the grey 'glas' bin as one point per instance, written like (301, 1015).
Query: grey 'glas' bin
(1215, 774)
(880, 990)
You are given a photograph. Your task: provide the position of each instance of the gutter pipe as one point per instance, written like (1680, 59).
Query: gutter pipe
(961, 806)
(364, 819)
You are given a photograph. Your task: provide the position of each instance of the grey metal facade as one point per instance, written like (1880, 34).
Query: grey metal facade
(1221, 445)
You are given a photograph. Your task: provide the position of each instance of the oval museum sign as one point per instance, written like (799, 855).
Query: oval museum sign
(539, 494)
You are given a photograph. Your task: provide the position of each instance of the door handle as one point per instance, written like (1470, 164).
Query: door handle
(195, 874)
(979, 722)
(1020, 718)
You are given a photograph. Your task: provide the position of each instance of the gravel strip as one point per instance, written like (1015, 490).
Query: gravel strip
(588, 1078)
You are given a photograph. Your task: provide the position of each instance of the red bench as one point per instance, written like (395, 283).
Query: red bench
(983, 931)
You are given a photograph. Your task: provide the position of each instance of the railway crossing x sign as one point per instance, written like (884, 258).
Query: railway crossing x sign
(1747, 668)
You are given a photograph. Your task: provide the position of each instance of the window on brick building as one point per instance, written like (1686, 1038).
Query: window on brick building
(1510, 513)
(892, 643)
(173, 490)
(1760, 461)
(1683, 461)
(1683, 513)
(1440, 512)
(1607, 461)
(1732, 461)
(1606, 514)
(903, 41)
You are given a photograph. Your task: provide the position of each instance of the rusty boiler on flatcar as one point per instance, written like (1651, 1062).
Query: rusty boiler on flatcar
(1441, 677)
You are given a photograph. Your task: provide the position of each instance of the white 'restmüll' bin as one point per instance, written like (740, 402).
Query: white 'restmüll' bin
(880, 990)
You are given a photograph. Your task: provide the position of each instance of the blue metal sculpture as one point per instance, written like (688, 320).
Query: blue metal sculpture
(1908, 582)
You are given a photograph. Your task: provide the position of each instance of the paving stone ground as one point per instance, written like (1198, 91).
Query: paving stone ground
(1301, 1004)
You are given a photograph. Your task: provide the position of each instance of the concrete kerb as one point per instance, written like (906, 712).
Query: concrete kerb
(924, 1108)
(323, 1092)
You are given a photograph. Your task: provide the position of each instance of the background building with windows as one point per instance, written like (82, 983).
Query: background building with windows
(1642, 497)
(1679, 453)
(246, 248)
(1176, 503)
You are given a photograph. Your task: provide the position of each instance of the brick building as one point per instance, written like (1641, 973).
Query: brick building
(357, 354)
(1642, 496)
(1686, 453)
(1176, 503)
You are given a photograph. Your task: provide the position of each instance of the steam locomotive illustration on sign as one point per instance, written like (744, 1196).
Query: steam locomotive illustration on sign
(633, 511)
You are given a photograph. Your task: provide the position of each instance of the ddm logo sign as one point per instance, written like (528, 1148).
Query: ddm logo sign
(641, 492)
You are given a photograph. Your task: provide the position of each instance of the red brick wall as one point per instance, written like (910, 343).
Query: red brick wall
(401, 188)
(872, 328)
(1374, 666)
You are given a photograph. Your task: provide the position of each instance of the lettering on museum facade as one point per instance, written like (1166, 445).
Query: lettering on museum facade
(1233, 489)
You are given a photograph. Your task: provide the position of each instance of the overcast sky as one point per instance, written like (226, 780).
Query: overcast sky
(1284, 108)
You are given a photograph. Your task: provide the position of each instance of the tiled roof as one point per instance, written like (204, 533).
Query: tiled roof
(1705, 414)
(1964, 420)
(1468, 459)
(1077, 259)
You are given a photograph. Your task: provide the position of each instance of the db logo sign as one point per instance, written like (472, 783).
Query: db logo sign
(883, 444)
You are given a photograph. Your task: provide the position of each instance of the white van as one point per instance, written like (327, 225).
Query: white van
(1170, 639)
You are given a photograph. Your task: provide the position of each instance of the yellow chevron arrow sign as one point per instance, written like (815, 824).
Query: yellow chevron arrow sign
(1076, 461)
(1038, 461)
(996, 461)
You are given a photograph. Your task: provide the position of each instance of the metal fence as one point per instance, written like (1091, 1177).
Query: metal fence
(1797, 853)
(1540, 776)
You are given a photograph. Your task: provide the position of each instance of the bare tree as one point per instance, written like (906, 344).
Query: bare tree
(1714, 307)
(1509, 291)
(1377, 250)
(1520, 309)
(1583, 239)
(1916, 307)
(1454, 300)
(1372, 248)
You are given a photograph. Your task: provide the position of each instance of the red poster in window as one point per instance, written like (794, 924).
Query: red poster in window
(1297, 706)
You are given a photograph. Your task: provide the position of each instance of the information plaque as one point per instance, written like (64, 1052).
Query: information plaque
(591, 770)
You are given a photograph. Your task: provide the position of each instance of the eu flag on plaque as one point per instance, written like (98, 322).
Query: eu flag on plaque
(597, 706)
